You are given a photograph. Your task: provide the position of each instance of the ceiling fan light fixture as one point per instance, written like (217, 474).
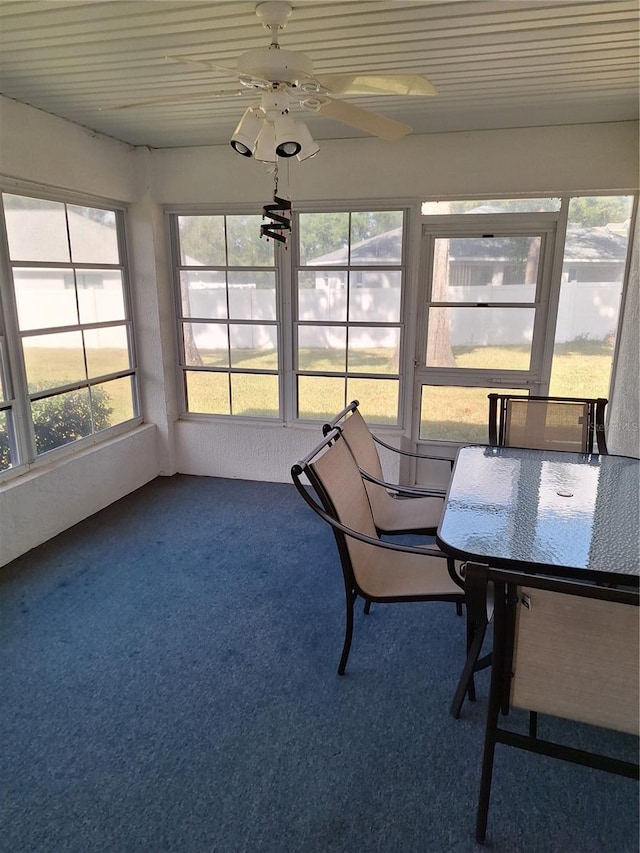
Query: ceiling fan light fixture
(308, 146)
(245, 136)
(287, 142)
(265, 150)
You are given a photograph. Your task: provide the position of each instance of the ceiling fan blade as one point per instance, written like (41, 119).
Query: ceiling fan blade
(203, 66)
(377, 84)
(373, 123)
(173, 99)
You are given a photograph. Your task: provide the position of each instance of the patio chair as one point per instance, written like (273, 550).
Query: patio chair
(552, 423)
(396, 508)
(565, 649)
(372, 568)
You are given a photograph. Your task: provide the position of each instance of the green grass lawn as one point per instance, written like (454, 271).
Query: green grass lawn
(52, 366)
(581, 369)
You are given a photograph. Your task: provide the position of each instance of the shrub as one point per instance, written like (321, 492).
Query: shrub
(62, 419)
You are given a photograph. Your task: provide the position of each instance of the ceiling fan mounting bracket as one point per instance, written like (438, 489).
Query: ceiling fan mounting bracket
(274, 15)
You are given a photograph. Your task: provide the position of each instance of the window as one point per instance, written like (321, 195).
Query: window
(67, 354)
(229, 327)
(593, 269)
(348, 320)
(499, 316)
(345, 271)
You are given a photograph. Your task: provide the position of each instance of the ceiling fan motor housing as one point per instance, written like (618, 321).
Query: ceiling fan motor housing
(276, 65)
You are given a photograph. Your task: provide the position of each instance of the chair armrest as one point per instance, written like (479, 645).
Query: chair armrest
(427, 550)
(404, 491)
(409, 452)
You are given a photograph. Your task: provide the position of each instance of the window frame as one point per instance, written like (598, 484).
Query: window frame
(287, 263)
(12, 360)
(172, 216)
(547, 309)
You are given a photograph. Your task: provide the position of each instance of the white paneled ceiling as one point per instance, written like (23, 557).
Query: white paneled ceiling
(495, 64)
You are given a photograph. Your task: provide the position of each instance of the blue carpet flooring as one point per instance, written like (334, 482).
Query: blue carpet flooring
(168, 683)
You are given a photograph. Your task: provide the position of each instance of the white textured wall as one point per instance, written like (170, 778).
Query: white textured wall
(37, 506)
(545, 160)
(624, 412)
(36, 146)
(42, 149)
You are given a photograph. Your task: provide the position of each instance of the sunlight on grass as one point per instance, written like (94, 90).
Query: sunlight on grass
(581, 369)
(57, 366)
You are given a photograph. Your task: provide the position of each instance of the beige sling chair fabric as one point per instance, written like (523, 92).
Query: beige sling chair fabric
(378, 572)
(548, 423)
(563, 649)
(391, 514)
(540, 424)
(577, 658)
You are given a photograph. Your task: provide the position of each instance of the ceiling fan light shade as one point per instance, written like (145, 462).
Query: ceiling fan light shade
(287, 131)
(265, 150)
(245, 136)
(308, 146)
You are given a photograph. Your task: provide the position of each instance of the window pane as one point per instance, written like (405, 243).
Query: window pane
(322, 348)
(457, 414)
(107, 350)
(208, 393)
(45, 298)
(100, 295)
(206, 344)
(378, 398)
(590, 294)
(6, 453)
(374, 350)
(202, 241)
(93, 235)
(204, 294)
(322, 295)
(254, 346)
(36, 229)
(112, 402)
(53, 360)
(254, 395)
(244, 244)
(376, 237)
(320, 397)
(324, 238)
(374, 296)
(252, 295)
(494, 205)
(486, 269)
(61, 419)
(480, 338)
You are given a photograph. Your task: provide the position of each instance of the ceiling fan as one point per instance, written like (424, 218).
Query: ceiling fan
(284, 77)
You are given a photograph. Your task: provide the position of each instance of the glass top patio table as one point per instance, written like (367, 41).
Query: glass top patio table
(552, 512)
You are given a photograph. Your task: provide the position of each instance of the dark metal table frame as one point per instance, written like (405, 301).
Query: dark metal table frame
(566, 515)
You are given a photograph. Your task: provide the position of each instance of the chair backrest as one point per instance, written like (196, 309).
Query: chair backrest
(577, 658)
(562, 648)
(336, 478)
(337, 481)
(553, 423)
(360, 442)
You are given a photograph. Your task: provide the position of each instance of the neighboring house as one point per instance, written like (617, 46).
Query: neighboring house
(592, 254)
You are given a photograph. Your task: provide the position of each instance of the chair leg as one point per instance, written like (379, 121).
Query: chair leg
(485, 790)
(349, 600)
(475, 634)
